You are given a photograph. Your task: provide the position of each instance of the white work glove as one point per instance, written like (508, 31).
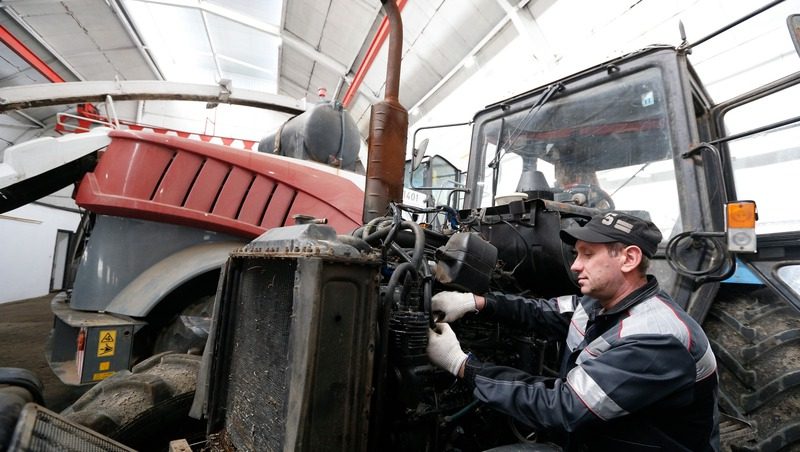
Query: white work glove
(444, 349)
(453, 305)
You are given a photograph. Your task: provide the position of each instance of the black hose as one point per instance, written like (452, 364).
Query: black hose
(355, 242)
(399, 271)
(415, 262)
(367, 227)
(419, 242)
(377, 235)
(679, 267)
(419, 239)
(427, 294)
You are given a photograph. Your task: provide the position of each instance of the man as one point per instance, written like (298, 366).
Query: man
(637, 372)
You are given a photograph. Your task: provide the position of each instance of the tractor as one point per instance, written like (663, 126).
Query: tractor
(160, 214)
(318, 338)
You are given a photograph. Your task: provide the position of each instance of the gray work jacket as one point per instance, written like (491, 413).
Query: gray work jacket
(641, 375)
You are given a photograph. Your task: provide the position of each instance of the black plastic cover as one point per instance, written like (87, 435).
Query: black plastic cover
(466, 262)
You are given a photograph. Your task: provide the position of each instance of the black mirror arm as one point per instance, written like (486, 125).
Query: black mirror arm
(716, 160)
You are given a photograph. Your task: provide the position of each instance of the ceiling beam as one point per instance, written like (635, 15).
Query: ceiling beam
(41, 41)
(122, 16)
(528, 28)
(214, 54)
(48, 94)
(28, 56)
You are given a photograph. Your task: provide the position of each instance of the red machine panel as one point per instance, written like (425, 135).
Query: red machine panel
(208, 186)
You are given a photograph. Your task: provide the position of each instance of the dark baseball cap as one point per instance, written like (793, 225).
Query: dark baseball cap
(616, 226)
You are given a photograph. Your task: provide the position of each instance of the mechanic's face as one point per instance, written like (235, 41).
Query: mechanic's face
(599, 274)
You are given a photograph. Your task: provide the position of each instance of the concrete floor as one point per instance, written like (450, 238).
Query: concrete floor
(24, 327)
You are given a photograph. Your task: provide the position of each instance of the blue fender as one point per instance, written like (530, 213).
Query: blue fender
(743, 275)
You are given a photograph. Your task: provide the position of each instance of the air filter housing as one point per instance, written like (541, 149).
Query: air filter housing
(466, 262)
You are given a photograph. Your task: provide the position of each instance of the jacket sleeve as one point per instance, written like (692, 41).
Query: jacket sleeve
(641, 372)
(547, 318)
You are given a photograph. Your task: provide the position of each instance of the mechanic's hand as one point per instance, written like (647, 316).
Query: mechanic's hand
(444, 349)
(453, 305)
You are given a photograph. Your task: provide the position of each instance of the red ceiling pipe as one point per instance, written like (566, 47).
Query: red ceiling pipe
(52, 76)
(388, 131)
(369, 58)
(26, 54)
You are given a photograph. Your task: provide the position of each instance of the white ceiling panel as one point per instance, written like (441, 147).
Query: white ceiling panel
(13, 67)
(306, 20)
(69, 39)
(112, 64)
(296, 67)
(417, 16)
(292, 89)
(80, 32)
(177, 39)
(341, 39)
(423, 71)
(243, 43)
(360, 109)
(288, 47)
(268, 11)
(321, 78)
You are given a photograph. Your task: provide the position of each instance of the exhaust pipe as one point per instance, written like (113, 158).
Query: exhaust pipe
(388, 131)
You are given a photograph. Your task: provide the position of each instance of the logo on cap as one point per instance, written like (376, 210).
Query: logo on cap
(611, 220)
(616, 227)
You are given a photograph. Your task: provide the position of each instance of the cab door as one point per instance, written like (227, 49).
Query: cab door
(753, 323)
(759, 143)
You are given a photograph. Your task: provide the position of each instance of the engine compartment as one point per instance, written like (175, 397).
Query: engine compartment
(345, 363)
(514, 248)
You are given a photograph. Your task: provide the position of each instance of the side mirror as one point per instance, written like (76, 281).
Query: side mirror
(418, 154)
(793, 21)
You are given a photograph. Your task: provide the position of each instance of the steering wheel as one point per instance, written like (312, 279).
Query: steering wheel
(590, 195)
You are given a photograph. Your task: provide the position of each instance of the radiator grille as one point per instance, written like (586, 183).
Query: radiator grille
(41, 430)
(258, 389)
(296, 340)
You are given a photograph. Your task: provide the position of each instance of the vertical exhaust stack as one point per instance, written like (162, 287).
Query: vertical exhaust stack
(388, 130)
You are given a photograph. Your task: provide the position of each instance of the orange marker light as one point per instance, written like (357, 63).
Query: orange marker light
(742, 215)
(741, 226)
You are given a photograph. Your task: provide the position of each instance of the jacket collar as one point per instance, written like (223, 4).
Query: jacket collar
(649, 289)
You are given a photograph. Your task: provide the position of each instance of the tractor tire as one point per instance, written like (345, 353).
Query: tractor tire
(187, 332)
(755, 336)
(146, 407)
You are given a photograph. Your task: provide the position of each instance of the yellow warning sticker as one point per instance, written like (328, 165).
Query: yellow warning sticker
(106, 343)
(105, 365)
(101, 375)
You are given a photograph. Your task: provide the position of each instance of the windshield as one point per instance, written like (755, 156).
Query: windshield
(606, 146)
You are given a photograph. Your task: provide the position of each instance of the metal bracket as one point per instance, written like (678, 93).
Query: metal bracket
(226, 89)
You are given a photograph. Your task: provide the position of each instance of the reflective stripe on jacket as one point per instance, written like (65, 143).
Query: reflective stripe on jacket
(640, 375)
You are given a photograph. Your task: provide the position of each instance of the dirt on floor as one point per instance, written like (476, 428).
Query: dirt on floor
(24, 328)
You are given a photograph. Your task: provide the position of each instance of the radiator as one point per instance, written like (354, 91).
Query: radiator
(294, 344)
